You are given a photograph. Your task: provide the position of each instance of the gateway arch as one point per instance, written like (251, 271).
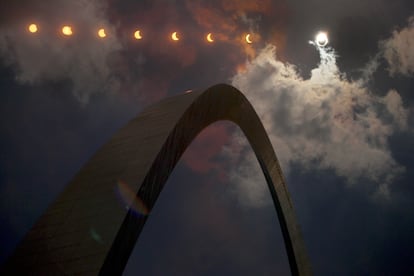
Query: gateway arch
(86, 231)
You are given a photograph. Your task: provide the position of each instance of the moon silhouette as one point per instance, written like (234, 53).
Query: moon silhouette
(101, 33)
(248, 40)
(210, 38)
(174, 36)
(137, 34)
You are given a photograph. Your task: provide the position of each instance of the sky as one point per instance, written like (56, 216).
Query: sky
(340, 118)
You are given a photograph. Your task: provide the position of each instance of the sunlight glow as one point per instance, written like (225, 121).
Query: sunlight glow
(101, 33)
(67, 30)
(248, 39)
(174, 36)
(33, 28)
(209, 37)
(137, 34)
(321, 39)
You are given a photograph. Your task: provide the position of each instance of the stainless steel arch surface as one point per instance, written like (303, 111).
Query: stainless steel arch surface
(87, 231)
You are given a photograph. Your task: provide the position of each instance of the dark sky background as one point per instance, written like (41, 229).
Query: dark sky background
(340, 119)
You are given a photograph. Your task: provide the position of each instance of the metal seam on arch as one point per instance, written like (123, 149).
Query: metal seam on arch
(144, 153)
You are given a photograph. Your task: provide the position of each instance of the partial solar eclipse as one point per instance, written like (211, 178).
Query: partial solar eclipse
(209, 37)
(174, 36)
(67, 30)
(248, 39)
(101, 33)
(320, 40)
(137, 34)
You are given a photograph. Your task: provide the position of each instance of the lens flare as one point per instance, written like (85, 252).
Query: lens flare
(137, 34)
(95, 236)
(101, 33)
(33, 28)
(67, 30)
(130, 199)
(248, 39)
(321, 39)
(174, 36)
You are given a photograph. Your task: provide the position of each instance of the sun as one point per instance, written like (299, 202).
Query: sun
(33, 28)
(67, 30)
(248, 39)
(209, 37)
(174, 36)
(321, 39)
(101, 33)
(137, 34)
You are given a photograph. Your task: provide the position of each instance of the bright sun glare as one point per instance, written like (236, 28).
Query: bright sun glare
(101, 33)
(321, 39)
(32, 28)
(137, 34)
(67, 30)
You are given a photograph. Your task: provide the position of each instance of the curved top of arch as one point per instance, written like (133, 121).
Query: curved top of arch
(87, 230)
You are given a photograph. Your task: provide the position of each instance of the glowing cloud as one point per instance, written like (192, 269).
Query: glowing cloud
(325, 122)
(398, 50)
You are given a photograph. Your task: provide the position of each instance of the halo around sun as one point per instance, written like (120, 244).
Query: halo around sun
(321, 39)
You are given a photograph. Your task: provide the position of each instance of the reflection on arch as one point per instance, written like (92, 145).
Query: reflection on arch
(87, 231)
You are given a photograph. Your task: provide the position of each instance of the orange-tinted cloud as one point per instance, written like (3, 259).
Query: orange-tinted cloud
(263, 6)
(230, 20)
(201, 154)
(155, 57)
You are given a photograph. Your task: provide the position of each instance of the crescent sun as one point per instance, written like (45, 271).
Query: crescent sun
(174, 36)
(209, 37)
(137, 34)
(248, 40)
(101, 33)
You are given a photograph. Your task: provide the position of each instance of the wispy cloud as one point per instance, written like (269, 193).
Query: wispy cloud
(398, 50)
(324, 122)
(47, 56)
